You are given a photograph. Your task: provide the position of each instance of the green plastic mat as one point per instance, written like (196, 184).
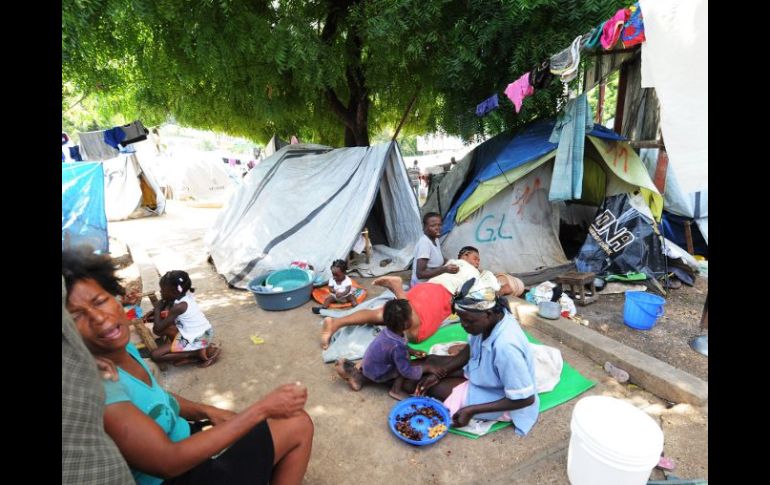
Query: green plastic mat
(571, 384)
(626, 277)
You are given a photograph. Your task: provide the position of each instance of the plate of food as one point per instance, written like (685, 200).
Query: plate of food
(419, 420)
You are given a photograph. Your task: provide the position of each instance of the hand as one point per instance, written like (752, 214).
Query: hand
(462, 417)
(451, 268)
(285, 401)
(426, 383)
(218, 416)
(418, 354)
(107, 368)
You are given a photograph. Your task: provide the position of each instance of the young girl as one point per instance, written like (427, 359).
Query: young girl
(387, 357)
(193, 333)
(340, 286)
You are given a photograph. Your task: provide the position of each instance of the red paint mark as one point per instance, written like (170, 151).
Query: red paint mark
(527, 195)
(617, 151)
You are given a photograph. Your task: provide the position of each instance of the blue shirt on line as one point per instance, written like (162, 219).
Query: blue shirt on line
(386, 354)
(502, 366)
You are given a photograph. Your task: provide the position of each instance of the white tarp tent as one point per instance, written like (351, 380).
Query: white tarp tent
(130, 190)
(518, 228)
(201, 180)
(311, 202)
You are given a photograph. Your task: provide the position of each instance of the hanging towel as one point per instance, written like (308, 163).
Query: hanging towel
(565, 63)
(633, 29)
(541, 75)
(134, 132)
(518, 90)
(114, 136)
(92, 147)
(487, 105)
(591, 40)
(611, 28)
(569, 132)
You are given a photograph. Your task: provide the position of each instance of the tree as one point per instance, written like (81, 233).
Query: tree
(329, 71)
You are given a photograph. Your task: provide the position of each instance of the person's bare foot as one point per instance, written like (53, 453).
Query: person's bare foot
(398, 394)
(327, 331)
(389, 282)
(348, 371)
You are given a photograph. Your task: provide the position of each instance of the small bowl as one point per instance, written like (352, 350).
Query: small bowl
(549, 309)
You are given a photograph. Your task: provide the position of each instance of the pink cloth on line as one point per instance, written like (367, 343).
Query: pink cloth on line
(518, 90)
(612, 28)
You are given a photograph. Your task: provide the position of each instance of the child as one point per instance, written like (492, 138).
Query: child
(387, 358)
(340, 286)
(177, 315)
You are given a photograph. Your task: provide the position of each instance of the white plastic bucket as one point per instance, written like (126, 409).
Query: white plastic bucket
(612, 443)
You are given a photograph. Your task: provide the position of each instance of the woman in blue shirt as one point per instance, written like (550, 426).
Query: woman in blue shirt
(269, 441)
(493, 377)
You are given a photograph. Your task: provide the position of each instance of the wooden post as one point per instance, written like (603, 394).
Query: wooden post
(600, 104)
(660, 170)
(688, 237)
(621, 104)
(406, 113)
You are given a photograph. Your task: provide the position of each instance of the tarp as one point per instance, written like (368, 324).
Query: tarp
(508, 151)
(311, 202)
(675, 63)
(130, 189)
(83, 220)
(622, 239)
(515, 231)
(200, 180)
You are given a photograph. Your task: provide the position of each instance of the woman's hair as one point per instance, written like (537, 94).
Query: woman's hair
(396, 315)
(465, 250)
(178, 278)
(428, 216)
(341, 264)
(81, 263)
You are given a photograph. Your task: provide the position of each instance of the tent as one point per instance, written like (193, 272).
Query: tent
(679, 207)
(274, 145)
(83, 220)
(200, 180)
(130, 189)
(311, 202)
(496, 198)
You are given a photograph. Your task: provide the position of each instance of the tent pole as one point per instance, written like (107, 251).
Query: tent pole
(406, 113)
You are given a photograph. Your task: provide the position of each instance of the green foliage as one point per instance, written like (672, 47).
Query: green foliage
(255, 69)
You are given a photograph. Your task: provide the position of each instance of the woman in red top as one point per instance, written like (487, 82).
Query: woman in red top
(431, 304)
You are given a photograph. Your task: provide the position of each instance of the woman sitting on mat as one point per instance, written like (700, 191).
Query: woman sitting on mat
(269, 441)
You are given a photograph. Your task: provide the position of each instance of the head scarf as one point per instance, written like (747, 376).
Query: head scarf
(474, 297)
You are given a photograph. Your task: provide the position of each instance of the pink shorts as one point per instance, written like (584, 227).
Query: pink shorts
(458, 399)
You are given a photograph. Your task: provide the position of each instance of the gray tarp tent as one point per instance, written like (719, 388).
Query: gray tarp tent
(311, 202)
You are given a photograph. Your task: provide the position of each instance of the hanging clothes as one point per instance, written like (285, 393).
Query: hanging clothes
(541, 75)
(114, 136)
(591, 40)
(489, 104)
(565, 64)
(569, 132)
(93, 147)
(518, 90)
(134, 132)
(633, 29)
(612, 27)
(75, 153)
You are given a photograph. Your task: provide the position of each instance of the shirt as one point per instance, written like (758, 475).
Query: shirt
(426, 249)
(192, 323)
(88, 454)
(501, 366)
(153, 400)
(388, 352)
(347, 282)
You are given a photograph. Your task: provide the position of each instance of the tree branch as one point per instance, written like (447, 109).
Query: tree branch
(338, 108)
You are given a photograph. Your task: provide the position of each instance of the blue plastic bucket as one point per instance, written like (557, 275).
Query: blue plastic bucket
(641, 309)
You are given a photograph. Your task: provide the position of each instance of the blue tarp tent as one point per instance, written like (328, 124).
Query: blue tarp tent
(510, 150)
(83, 219)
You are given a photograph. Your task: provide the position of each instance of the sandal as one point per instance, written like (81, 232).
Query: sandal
(212, 358)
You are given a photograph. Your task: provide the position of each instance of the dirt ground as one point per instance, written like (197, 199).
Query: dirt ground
(669, 339)
(352, 442)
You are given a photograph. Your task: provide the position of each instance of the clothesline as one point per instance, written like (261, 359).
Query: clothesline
(626, 27)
